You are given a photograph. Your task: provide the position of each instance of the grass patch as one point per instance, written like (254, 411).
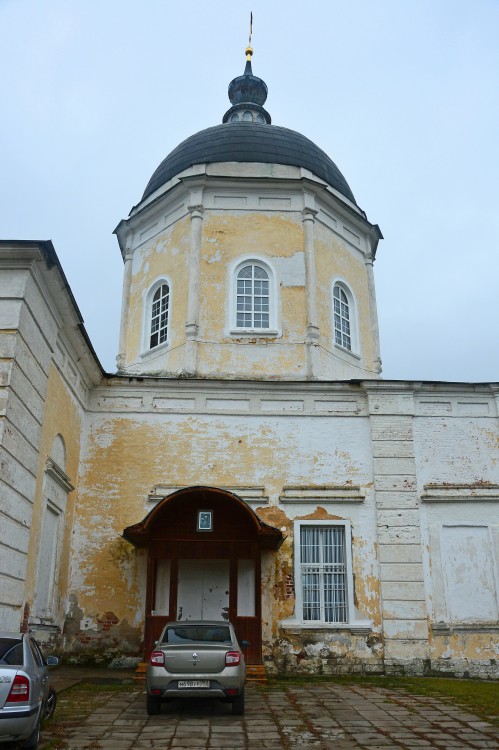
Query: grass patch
(74, 705)
(477, 696)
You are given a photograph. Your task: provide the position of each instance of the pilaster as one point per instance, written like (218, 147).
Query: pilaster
(312, 334)
(369, 260)
(125, 302)
(192, 324)
(403, 600)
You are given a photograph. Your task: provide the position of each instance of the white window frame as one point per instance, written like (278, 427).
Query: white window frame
(147, 318)
(234, 329)
(353, 622)
(352, 315)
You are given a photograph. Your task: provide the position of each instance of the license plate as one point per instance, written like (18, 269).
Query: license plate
(194, 683)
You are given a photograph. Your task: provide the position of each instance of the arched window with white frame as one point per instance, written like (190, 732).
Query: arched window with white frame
(253, 296)
(344, 320)
(158, 313)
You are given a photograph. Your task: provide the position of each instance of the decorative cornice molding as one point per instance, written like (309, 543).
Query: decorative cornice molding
(460, 493)
(58, 475)
(250, 495)
(444, 628)
(341, 493)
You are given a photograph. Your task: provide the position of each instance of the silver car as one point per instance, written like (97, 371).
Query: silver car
(196, 659)
(25, 696)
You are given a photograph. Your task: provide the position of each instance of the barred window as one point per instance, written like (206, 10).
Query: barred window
(342, 318)
(159, 316)
(323, 574)
(252, 297)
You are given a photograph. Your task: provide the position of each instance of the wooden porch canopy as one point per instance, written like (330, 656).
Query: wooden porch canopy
(141, 534)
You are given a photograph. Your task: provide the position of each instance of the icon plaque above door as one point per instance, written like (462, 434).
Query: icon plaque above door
(205, 520)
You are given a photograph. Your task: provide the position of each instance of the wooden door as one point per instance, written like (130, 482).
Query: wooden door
(209, 582)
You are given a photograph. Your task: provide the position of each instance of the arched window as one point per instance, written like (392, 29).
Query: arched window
(253, 301)
(159, 316)
(343, 314)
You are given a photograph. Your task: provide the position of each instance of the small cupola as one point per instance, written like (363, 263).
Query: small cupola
(247, 94)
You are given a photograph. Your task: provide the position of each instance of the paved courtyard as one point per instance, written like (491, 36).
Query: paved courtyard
(301, 717)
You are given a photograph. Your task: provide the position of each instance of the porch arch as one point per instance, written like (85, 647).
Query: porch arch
(193, 558)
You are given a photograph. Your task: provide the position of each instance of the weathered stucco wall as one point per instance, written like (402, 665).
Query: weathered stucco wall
(63, 420)
(194, 236)
(43, 389)
(128, 454)
(336, 260)
(292, 445)
(458, 479)
(165, 256)
(24, 366)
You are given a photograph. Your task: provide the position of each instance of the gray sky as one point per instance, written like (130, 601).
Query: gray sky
(402, 94)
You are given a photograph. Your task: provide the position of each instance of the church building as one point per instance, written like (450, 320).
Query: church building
(246, 461)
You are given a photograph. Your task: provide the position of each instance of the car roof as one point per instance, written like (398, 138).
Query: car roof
(11, 634)
(197, 623)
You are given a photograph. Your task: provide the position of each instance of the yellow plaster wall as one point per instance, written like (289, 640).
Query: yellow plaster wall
(126, 457)
(166, 255)
(227, 238)
(334, 257)
(462, 645)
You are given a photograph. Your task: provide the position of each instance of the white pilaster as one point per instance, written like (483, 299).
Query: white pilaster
(192, 323)
(125, 303)
(373, 310)
(403, 606)
(312, 335)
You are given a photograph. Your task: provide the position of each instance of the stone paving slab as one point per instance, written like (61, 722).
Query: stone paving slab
(286, 718)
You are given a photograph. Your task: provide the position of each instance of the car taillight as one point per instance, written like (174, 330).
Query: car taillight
(158, 658)
(232, 658)
(19, 691)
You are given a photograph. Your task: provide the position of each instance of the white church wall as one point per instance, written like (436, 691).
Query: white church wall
(25, 363)
(40, 371)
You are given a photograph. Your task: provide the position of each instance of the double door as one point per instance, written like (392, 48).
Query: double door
(204, 581)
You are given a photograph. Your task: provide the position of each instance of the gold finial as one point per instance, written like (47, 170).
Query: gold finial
(249, 49)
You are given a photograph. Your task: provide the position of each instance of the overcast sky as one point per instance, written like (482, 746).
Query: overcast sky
(402, 94)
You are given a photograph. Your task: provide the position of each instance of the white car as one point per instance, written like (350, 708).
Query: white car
(25, 695)
(196, 659)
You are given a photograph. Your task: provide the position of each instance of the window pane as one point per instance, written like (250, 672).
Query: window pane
(323, 573)
(159, 316)
(252, 297)
(341, 318)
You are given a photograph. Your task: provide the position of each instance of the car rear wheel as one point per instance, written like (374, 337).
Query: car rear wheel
(153, 705)
(238, 705)
(50, 704)
(32, 742)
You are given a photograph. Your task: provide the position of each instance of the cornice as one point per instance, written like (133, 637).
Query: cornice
(58, 475)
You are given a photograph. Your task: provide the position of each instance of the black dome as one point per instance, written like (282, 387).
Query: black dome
(249, 142)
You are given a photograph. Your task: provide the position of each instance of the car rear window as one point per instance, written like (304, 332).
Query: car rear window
(11, 651)
(197, 634)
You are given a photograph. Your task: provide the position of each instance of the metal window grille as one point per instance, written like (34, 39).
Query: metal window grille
(323, 573)
(253, 297)
(159, 316)
(341, 318)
